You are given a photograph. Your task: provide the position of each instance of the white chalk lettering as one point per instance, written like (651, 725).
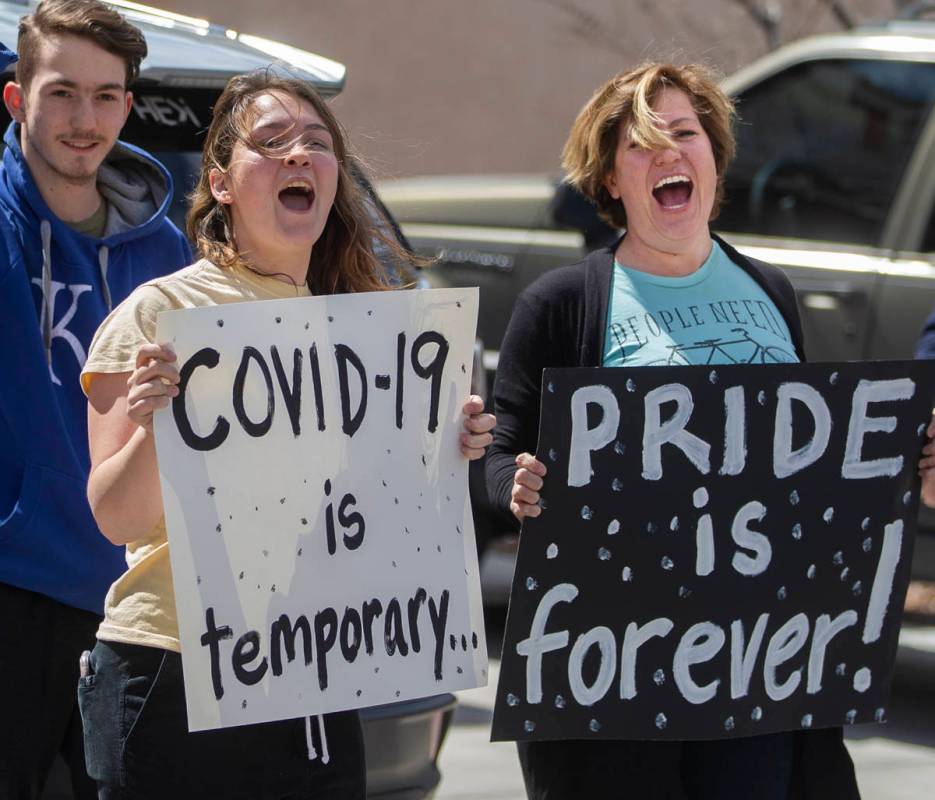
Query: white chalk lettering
(585, 440)
(735, 432)
(539, 642)
(700, 643)
(883, 581)
(750, 540)
(657, 433)
(704, 535)
(607, 647)
(633, 638)
(825, 630)
(743, 659)
(783, 645)
(787, 461)
(861, 424)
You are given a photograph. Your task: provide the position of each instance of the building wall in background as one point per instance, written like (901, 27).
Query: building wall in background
(437, 86)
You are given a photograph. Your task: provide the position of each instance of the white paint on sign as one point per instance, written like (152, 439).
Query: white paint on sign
(585, 440)
(786, 460)
(883, 581)
(656, 433)
(700, 643)
(539, 642)
(866, 393)
(735, 432)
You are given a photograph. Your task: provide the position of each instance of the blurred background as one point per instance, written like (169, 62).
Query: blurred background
(447, 86)
(835, 183)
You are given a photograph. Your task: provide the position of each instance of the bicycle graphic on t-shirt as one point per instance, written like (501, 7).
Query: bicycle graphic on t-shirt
(743, 350)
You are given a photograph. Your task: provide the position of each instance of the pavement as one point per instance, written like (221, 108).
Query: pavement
(472, 766)
(894, 761)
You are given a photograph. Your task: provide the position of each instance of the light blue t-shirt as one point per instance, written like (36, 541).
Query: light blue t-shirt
(717, 315)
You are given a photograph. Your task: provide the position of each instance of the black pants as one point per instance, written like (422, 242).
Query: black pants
(138, 745)
(754, 768)
(40, 642)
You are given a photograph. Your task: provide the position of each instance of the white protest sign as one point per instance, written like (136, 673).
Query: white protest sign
(320, 532)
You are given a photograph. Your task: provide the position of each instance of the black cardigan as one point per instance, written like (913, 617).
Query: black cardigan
(559, 321)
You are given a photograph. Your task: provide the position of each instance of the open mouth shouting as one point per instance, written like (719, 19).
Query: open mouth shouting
(673, 192)
(298, 195)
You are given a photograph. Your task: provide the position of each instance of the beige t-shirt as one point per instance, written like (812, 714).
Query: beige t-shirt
(140, 606)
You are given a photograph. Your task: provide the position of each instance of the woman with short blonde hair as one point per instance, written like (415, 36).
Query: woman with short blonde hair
(651, 149)
(625, 104)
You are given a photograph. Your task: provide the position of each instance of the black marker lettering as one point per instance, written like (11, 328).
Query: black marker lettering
(329, 522)
(326, 632)
(433, 370)
(415, 603)
(393, 637)
(350, 645)
(400, 371)
(291, 395)
(251, 427)
(372, 610)
(282, 632)
(206, 357)
(439, 616)
(246, 650)
(211, 639)
(316, 385)
(344, 355)
(352, 542)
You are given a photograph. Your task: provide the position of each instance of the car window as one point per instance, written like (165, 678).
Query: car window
(928, 239)
(822, 146)
(171, 123)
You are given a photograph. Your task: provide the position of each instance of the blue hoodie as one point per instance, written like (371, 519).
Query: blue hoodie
(49, 542)
(7, 57)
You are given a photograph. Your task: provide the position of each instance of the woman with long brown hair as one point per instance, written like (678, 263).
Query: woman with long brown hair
(276, 214)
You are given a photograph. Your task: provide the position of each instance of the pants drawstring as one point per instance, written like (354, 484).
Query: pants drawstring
(312, 752)
(325, 755)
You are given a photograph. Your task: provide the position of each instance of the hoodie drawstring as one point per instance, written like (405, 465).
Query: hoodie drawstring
(312, 753)
(102, 256)
(45, 234)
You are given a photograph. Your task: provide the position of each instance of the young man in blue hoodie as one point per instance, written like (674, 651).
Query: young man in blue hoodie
(82, 222)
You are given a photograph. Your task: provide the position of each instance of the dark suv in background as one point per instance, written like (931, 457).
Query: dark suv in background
(189, 63)
(834, 181)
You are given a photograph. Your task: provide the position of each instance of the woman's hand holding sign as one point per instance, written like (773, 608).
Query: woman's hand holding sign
(123, 487)
(527, 481)
(476, 437)
(152, 384)
(927, 466)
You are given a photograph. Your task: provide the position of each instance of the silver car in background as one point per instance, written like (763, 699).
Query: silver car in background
(834, 181)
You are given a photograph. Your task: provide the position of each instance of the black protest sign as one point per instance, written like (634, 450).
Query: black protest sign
(722, 552)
